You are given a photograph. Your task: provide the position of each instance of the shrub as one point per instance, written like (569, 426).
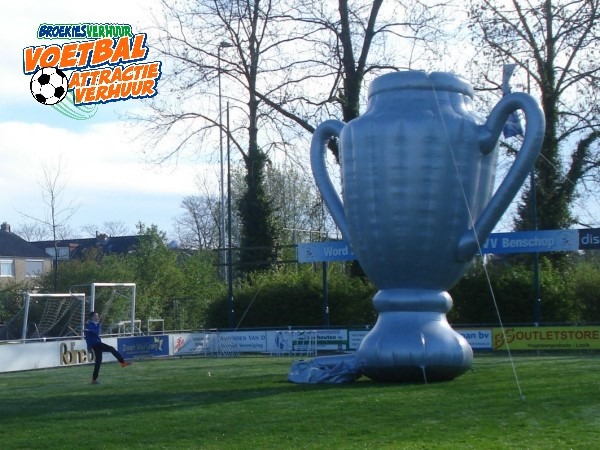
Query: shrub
(295, 297)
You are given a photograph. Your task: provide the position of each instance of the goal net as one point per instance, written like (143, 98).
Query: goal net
(115, 303)
(53, 315)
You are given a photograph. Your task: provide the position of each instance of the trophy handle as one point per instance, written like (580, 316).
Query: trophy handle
(532, 143)
(318, 149)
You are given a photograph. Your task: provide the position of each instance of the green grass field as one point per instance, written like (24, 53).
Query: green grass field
(247, 403)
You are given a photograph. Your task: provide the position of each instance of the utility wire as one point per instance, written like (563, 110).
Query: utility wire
(472, 221)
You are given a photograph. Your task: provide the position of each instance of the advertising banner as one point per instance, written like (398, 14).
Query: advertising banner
(33, 355)
(143, 346)
(537, 241)
(325, 251)
(189, 343)
(532, 242)
(547, 338)
(589, 238)
(479, 339)
(244, 341)
(332, 340)
(355, 337)
(75, 352)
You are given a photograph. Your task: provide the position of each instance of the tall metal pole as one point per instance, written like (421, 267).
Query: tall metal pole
(222, 256)
(537, 305)
(231, 317)
(537, 308)
(221, 179)
(325, 296)
(25, 317)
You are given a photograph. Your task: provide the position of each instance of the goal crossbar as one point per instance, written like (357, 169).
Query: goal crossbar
(29, 296)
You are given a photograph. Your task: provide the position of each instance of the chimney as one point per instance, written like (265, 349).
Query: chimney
(5, 227)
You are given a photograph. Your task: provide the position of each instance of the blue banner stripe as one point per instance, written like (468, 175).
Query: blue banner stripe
(498, 243)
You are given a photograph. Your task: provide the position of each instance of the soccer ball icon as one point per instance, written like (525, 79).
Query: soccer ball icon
(49, 85)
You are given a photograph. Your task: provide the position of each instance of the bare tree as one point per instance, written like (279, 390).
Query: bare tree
(111, 228)
(197, 227)
(33, 231)
(555, 46)
(298, 206)
(350, 43)
(205, 41)
(58, 210)
(284, 66)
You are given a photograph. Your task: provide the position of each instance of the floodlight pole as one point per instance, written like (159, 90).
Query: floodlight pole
(222, 44)
(231, 315)
(325, 296)
(537, 305)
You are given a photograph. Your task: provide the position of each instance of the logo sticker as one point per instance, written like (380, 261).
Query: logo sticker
(99, 63)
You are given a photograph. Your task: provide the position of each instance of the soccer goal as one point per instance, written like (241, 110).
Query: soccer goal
(116, 301)
(53, 315)
(295, 343)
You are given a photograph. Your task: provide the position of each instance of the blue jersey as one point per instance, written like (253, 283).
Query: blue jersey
(92, 334)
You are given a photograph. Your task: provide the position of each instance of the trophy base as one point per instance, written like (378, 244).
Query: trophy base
(410, 345)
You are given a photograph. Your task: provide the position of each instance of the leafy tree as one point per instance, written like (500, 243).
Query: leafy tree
(259, 229)
(586, 278)
(512, 300)
(198, 48)
(11, 303)
(173, 285)
(294, 297)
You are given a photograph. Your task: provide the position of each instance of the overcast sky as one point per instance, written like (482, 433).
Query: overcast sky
(103, 168)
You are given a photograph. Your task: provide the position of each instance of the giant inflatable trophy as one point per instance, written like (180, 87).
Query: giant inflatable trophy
(418, 173)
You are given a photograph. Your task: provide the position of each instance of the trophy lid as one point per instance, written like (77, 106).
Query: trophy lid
(418, 79)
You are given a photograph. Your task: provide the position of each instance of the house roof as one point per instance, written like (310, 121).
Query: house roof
(12, 245)
(107, 244)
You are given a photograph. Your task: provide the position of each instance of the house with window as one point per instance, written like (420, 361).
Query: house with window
(20, 261)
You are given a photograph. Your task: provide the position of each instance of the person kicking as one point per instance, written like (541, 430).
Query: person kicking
(95, 344)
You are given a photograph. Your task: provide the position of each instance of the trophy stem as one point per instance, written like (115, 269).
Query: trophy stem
(412, 340)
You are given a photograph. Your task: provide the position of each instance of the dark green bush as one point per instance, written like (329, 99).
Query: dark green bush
(295, 297)
(568, 294)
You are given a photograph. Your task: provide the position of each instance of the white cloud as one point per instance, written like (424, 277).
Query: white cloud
(100, 155)
(102, 162)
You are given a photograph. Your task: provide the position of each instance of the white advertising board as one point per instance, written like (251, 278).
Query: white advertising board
(44, 355)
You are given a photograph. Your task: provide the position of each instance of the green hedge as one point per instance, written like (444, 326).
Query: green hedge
(295, 297)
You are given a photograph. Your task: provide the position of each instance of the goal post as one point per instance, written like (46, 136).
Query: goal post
(51, 316)
(131, 287)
